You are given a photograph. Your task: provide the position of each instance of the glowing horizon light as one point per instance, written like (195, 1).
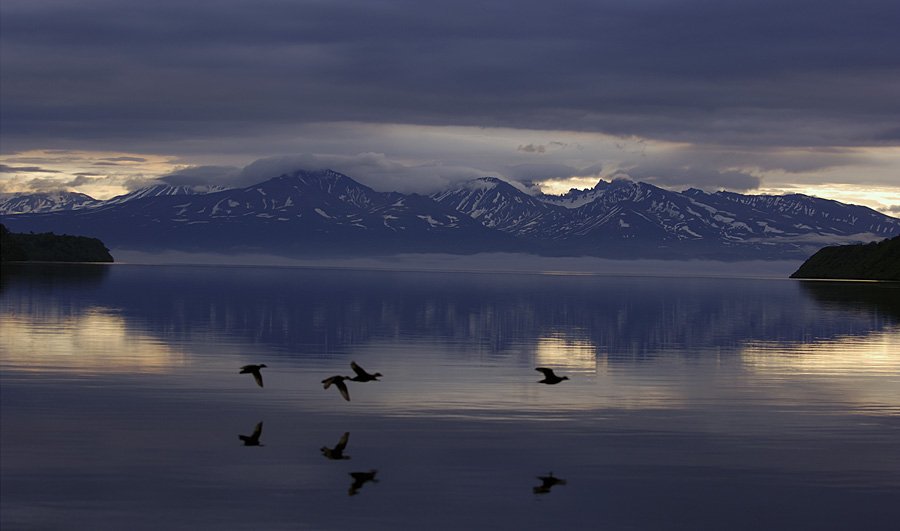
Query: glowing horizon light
(884, 199)
(99, 174)
(563, 186)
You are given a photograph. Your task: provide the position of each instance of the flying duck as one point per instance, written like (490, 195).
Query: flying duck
(549, 377)
(254, 370)
(338, 381)
(362, 375)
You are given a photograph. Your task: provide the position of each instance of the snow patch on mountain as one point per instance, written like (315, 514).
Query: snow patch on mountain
(25, 203)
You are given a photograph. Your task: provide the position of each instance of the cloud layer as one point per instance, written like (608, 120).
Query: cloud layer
(807, 72)
(411, 95)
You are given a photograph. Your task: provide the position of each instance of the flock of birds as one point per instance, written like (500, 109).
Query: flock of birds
(337, 453)
(362, 375)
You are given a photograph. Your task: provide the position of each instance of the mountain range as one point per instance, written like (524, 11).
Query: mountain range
(316, 213)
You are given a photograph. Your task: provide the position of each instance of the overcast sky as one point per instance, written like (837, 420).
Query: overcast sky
(752, 96)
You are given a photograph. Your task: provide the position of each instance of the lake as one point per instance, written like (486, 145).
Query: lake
(692, 403)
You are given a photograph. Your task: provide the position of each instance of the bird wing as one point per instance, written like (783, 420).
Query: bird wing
(357, 369)
(547, 372)
(258, 377)
(326, 383)
(342, 387)
(257, 431)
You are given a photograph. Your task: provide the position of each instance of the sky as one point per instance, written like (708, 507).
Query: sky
(106, 96)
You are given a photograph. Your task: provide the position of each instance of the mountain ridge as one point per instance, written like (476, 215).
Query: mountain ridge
(325, 212)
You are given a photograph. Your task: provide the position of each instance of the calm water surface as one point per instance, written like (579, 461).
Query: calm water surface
(692, 403)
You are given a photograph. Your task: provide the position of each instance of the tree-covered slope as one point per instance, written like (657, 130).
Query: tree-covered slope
(873, 261)
(49, 247)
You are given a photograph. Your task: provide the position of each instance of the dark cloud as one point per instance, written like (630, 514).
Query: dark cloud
(893, 209)
(799, 73)
(125, 159)
(43, 185)
(692, 177)
(137, 182)
(24, 169)
(531, 148)
(527, 173)
(79, 180)
(372, 169)
(227, 176)
(105, 164)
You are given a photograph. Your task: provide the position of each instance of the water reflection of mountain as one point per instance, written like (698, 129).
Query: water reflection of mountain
(300, 310)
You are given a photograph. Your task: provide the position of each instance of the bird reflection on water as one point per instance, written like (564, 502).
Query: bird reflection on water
(548, 482)
(253, 440)
(360, 479)
(337, 452)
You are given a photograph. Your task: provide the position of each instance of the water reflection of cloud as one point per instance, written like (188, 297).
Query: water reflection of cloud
(565, 353)
(95, 341)
(861, 370)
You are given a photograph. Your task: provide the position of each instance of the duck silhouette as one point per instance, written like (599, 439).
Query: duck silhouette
(338, 381)
(549, 377)
(362, 375)
(253, 440)
(254, 370)
(338, 451)
(547, 483)
(360, 479)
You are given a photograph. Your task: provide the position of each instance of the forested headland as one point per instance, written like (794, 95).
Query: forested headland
(871, 261)
(49, 247)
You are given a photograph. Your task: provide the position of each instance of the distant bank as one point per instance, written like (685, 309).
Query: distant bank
(49, 247)
(872, 261)
(497, 262)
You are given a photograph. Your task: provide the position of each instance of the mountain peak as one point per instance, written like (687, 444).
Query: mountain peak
(577, 197)
(325, 180)
(483, 183)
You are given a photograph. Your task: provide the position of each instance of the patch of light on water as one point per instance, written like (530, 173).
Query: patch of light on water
(567, 354)
(96, 341)
(863, 371)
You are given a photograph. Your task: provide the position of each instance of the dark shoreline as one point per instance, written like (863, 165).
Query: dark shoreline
(871, 261)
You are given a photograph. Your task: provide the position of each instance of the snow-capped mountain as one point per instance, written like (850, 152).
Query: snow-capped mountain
(498, 205)
(25, 203)
(162, 190)
(636, 217)
(796, 214)
(325, 212)
(44, 202)
(299, 213)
